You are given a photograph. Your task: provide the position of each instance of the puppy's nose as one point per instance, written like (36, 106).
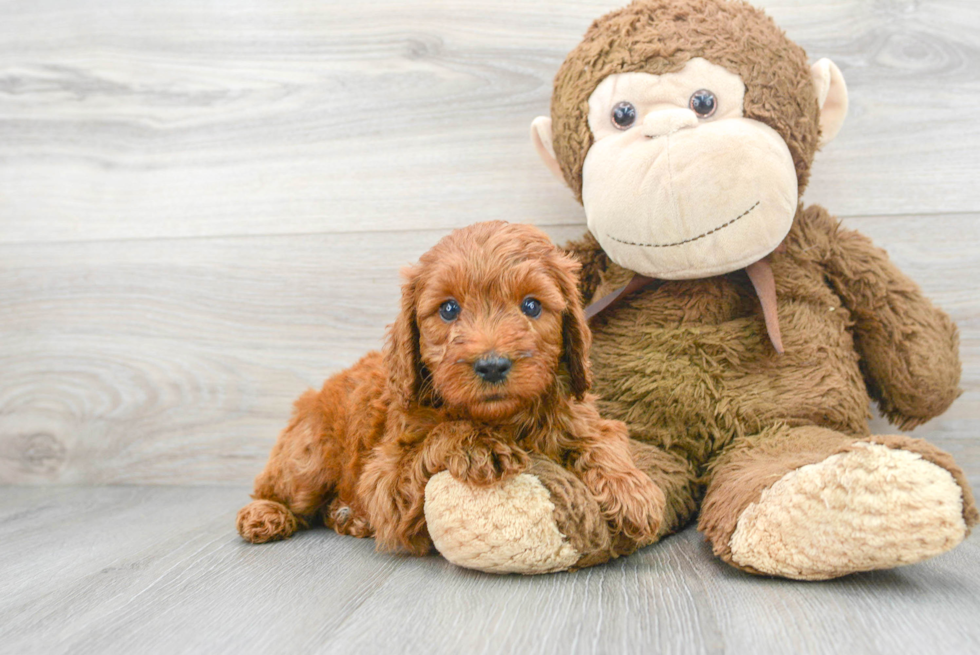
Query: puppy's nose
(492, 368)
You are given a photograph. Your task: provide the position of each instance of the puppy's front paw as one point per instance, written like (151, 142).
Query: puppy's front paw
(484, 461)
(643, 514)
(634, 506)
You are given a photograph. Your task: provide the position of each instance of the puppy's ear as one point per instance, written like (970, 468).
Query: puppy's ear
(576, 336)
(402, 356)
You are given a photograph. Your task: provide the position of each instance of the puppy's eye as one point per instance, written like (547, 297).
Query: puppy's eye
(623, 115)
(703, 103)
(531, 307)
(449, 310)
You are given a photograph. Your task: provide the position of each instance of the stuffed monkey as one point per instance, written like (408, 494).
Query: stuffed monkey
(752, 332)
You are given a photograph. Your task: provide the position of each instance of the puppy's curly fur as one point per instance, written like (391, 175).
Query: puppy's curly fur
(360, 451)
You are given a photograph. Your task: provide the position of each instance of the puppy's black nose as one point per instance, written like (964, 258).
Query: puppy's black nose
(492, 368)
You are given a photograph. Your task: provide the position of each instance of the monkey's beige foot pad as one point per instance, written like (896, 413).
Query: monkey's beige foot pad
(509, 528)
(869, 508)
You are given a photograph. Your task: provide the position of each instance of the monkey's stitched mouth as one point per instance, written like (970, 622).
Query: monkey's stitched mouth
(681, 243)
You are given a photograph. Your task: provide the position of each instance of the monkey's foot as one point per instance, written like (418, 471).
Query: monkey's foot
(872, 507)
(537, 522)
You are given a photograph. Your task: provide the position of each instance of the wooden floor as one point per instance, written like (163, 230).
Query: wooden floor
(203, 210)
(161, 570)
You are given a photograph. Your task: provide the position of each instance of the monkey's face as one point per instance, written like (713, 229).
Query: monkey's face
(678, 184)
(687, 129)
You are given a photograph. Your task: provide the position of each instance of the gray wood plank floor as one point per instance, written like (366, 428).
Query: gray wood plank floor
(161, 570)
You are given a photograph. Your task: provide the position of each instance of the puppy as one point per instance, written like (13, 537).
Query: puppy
(486, 364)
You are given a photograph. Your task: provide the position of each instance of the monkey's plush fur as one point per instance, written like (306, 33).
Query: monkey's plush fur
(774, 450)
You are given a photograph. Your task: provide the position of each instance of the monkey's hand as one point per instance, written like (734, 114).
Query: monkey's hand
(476, 454)
(909, 347)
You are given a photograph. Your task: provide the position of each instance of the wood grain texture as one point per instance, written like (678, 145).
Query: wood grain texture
(128, 120)
(160, 570)
(203, 207)
(176, 361)
(203, 210)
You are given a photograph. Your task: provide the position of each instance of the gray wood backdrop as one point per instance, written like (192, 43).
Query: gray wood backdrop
(204, 206)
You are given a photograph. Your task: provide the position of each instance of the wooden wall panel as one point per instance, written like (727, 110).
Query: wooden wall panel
(203, 206)
(172, 361)
(135, 120)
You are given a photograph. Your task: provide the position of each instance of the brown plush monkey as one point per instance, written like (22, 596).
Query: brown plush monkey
(745, 367)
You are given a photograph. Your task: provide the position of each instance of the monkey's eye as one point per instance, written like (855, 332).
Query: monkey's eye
(449, 310)
(703, 103)
(623, 115)
(531, 307)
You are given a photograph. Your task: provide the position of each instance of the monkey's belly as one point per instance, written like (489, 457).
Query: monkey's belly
(693, 386)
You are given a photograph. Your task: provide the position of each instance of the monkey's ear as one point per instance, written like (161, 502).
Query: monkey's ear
(832, 98)
(541, 138)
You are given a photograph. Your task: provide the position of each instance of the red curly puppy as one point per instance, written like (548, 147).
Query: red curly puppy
(486, 363)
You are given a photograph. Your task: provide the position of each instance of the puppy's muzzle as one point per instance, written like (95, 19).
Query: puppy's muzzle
(492, 368)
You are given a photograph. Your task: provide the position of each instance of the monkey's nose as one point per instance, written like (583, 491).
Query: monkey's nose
(492, 368)
(665, 122)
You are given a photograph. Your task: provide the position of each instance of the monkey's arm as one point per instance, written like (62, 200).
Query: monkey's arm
(909, 348)
(594, 261)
